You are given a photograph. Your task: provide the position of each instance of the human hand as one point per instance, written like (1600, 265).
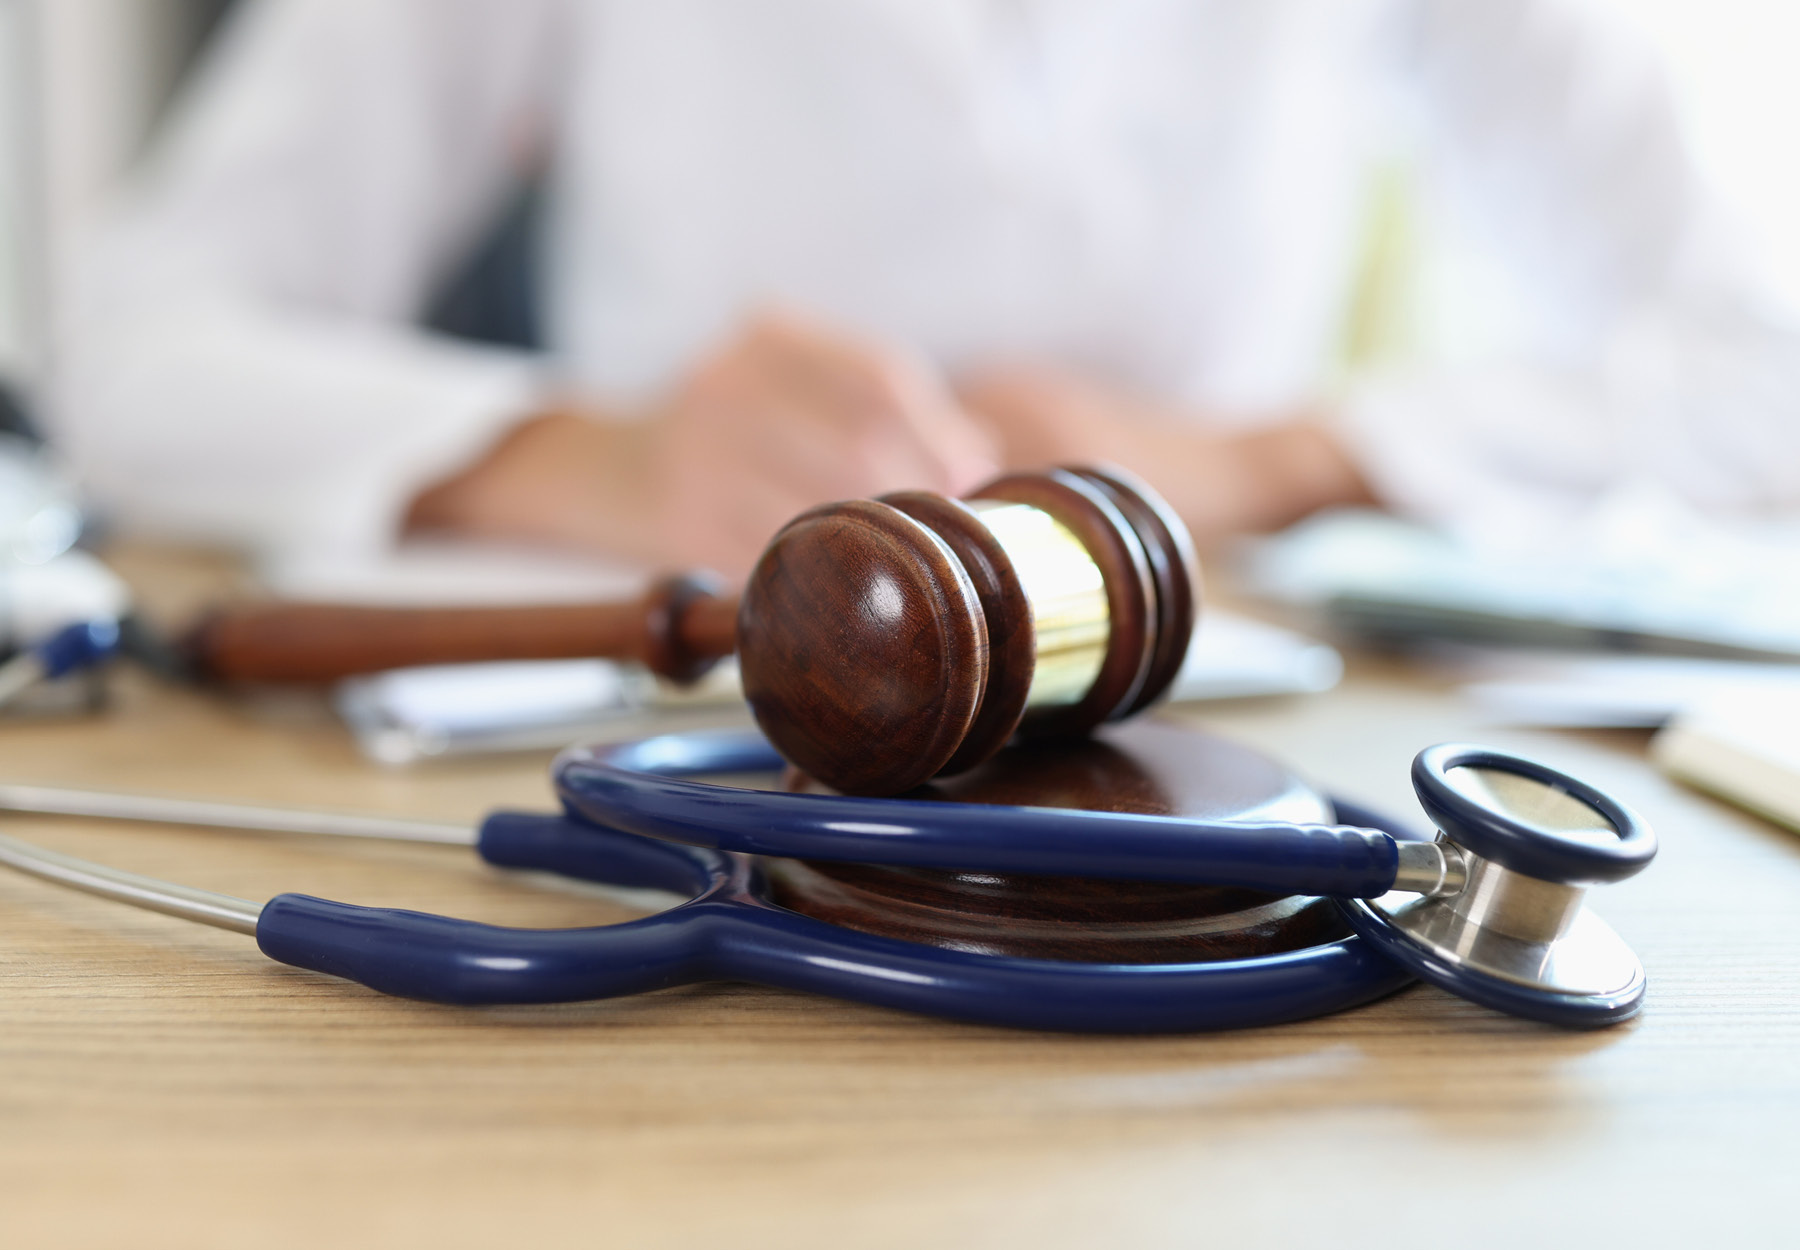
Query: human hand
(1043, 416)
(1221, 481)
(792, 413)
(788, 414)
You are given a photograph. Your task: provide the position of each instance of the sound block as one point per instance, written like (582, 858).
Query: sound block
(1140, 766)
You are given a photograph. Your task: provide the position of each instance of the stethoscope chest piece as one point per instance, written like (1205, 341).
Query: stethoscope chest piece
(1508, 927)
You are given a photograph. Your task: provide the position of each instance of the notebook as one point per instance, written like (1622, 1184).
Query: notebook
(412, 714)
(1744, 748)
(1632, 580)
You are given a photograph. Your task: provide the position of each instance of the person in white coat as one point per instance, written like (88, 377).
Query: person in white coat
(809, 249)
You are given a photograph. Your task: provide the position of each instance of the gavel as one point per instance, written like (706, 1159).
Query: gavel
(881, 642)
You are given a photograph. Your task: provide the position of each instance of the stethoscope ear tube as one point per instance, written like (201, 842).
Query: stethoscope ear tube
(641, 788)
(415, 955)
(440, 959)
(729, 931)
(437, 959)
(571, 848)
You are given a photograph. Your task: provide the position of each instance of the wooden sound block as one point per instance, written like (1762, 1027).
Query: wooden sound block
(1145, 767)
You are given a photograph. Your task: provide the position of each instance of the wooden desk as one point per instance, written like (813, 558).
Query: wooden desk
(165, 1084)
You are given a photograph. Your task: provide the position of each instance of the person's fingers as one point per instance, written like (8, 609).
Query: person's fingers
(926, 422)
(897, 402)
(791, 414)
(725, 516)
(741, 459)
(830, 372)
(967, 452)
(806, 409)
(793, 447)
(747, 420)
(1042, 417)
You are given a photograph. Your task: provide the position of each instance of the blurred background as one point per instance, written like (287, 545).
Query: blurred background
(83, 84)
(86, 84)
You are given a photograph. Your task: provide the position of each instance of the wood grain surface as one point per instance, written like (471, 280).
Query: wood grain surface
(163, 1084)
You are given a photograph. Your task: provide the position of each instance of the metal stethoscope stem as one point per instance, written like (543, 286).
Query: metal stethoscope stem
(149, 809)
(202, 906)
(222, 911)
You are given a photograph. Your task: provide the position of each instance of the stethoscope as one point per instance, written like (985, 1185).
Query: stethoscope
(1491, 910)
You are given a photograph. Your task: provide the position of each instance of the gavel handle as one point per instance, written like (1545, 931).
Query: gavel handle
(679, 629)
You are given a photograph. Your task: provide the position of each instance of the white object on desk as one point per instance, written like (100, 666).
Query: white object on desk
(39, 517)
(38, 599)
(1582, 689)
(439, 572)
(1234, 657)
(1744, 748)
(413, 714)
(1637, 574)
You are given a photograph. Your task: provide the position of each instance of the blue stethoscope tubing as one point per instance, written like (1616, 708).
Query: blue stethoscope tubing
(641, 787)
(633, 819)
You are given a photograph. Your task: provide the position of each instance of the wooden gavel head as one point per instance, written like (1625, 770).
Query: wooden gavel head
(884, 642)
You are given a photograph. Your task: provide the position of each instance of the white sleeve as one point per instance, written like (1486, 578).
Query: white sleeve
(237, 357)
(1657, 363)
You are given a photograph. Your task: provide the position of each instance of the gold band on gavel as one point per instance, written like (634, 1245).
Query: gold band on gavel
(1067, 593)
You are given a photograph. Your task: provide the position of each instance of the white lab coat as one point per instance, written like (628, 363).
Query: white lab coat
(1167, 194)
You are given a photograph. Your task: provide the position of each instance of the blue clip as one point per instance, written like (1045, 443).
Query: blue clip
(77, 646)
